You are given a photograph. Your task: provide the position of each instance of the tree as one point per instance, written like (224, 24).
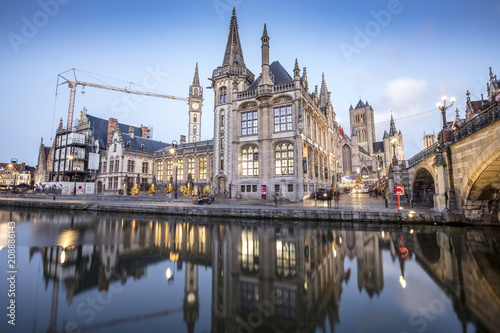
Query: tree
(134, 190)
(152, 189)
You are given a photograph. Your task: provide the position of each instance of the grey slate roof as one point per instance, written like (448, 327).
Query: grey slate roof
(354, 133)
(386, 135)
(280, 75)
(138, 142)
(378, 147)
(360, 104)
(361, 149)
(99, 129)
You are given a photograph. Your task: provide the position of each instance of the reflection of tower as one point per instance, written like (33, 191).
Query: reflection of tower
(370, 271)
(191, 303)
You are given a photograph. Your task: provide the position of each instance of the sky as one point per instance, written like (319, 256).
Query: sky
(399, 55)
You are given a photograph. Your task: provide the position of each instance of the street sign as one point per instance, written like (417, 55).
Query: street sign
(399, 189)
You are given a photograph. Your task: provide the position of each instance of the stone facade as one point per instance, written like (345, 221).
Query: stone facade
(271, 135)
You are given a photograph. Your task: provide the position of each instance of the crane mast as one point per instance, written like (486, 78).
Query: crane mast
(73, 84)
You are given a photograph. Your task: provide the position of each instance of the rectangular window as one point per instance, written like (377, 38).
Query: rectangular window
(111, 164)
(104, 167)
(144, 167)
(283, 119)
(180, 170)
(110, 183)
(249, 123)
(169, 170)
(277, 188)
(202, 164)
(190, 165)
(290, 187)
(130, 166)
(115, 183)
(249, 188)
(159, 171)
(243, 188)
(254, 188)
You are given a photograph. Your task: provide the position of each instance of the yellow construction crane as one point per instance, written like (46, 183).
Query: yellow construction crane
(73, 84)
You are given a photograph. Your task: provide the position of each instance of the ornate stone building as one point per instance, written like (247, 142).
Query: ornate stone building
(271, 135)
(360, 153)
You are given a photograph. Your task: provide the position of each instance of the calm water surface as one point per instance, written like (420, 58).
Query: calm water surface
(120, 273)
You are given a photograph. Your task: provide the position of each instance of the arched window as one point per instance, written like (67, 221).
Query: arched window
(284, 159)
(194, 129)
(117, 165)
(195, 118)
(223, 95)
(250, 161)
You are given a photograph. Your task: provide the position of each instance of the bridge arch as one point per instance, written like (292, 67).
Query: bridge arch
(424, 187)
(481, 186)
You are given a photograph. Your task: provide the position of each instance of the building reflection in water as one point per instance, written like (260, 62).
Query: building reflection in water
(264, 278)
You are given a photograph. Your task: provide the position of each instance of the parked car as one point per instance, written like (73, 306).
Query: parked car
(322, 194)
(365, 189)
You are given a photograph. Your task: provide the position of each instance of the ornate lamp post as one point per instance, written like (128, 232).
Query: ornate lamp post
(13, 169)
(443, 107)
(173, 151)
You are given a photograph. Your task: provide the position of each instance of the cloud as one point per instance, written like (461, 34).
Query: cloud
(402, 92)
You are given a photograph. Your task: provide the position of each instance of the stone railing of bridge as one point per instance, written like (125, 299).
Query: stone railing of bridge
(429, 151)
(485, 118)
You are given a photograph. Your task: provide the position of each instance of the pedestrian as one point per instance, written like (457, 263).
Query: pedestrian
(336, 197)
(275, 199)
(329, 195)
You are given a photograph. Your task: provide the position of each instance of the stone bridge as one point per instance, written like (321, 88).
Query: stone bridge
(462, 175)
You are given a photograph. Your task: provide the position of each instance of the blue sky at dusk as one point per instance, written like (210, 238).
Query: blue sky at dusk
(399, 55)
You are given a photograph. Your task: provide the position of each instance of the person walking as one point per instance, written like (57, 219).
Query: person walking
(336, 197)
(329, 195)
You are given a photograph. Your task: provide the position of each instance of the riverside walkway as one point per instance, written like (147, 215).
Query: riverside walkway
(352, 208)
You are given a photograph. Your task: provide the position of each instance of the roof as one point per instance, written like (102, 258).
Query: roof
(361, 149)
(137, 142)
(280, 75)
(378, 147)
(386, 135)
(360, 104)
(99, 128)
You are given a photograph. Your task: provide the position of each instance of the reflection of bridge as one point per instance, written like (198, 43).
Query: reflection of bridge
(462, 175)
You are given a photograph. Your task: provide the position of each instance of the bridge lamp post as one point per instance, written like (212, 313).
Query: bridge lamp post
(443, 107)
(173, 151)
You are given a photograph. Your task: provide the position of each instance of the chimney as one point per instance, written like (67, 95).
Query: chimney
(144, 132)
(131, 131)
(111, 126)
(183, 139)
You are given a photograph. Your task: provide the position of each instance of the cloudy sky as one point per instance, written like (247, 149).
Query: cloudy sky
(397, 55)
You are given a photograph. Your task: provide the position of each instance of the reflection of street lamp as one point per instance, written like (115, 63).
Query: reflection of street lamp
(72, 158)
(443, 107)
(173, 151)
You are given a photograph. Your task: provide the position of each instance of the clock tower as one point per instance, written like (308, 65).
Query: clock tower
(195, 104)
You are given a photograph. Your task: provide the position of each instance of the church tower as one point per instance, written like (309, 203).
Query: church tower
(191, 303)
(227, 80)
(195, 104)
(362, 119)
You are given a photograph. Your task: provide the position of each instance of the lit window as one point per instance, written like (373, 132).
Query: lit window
(190, 165)
(284, 159)
(202, 164)
(250, 161)
(159, 171)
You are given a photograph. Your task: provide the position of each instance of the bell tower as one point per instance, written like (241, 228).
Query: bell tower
(195, 104)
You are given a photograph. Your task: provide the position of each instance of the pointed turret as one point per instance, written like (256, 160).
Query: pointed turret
(353, 133)
(234, 54)
(304, 79)
(323, 94)
(196, 78)
(266, 75)
(392, 129)
(296, 69)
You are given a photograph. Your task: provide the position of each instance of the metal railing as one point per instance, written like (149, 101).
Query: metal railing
(429, 151)
(485, 118)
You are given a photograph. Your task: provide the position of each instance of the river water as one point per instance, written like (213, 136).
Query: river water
(92, 272)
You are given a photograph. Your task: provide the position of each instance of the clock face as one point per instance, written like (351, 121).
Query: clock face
(195, 106)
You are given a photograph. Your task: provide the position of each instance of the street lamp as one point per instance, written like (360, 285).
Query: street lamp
(443, 107)
(173, 151)
(72, 158)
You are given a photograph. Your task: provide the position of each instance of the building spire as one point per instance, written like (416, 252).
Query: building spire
(234, 54)
(323, 94)
(196, 78)
(392, 130)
